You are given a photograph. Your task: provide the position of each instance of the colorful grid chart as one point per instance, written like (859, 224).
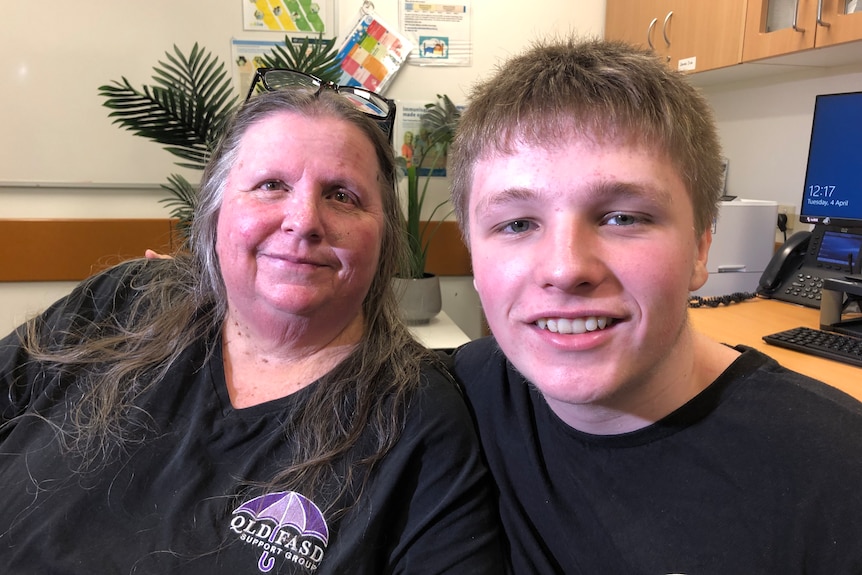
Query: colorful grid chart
(372, 55)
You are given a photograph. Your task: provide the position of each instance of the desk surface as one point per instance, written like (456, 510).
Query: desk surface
(440, 333)
(747, 322)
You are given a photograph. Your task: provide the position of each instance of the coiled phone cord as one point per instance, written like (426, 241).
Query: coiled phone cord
(696, 301)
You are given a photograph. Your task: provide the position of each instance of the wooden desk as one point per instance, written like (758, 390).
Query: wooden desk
(747, 322)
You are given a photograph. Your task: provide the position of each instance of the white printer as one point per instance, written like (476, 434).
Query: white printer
(743, 241)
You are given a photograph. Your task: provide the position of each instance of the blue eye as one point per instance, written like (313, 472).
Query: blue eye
(621, 219)
(518, 226)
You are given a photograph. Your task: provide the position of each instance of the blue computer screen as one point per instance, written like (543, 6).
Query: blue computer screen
(840, 249)
(833, 179)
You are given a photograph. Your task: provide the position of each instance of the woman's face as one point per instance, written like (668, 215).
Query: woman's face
(301, 222)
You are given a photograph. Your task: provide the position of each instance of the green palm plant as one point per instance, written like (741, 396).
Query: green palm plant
(189, 102)
(439, 122)
(318, 58)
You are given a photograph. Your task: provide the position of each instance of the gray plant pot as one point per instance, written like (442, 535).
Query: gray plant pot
(419, 299)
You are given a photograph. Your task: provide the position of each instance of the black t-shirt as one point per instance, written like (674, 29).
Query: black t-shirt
(760, 473)
(183, 499)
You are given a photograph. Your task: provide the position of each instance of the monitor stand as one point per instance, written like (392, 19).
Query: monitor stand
(836, 295)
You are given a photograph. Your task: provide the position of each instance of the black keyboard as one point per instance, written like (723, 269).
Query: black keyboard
(831, 345)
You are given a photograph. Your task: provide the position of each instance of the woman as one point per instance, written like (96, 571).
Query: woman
(255, 403)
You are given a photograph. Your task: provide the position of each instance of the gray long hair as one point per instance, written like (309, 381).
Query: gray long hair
(181, 301)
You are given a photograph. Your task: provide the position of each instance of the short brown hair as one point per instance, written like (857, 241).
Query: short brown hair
(608, 91)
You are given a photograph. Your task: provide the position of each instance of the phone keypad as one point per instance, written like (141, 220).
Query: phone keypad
(805, 286)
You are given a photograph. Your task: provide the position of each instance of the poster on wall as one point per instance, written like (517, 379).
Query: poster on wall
(246, 59)
(372, 53)
(310, 17)
(412, 141)
(440, 32)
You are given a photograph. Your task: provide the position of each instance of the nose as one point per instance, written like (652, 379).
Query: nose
(302, 214)
(570, 258)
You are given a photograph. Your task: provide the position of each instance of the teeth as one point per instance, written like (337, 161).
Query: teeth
(578, 325)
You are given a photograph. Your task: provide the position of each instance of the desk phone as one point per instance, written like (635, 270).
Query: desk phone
(799, 268)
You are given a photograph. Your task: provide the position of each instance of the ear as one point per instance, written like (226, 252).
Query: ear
(699, 273)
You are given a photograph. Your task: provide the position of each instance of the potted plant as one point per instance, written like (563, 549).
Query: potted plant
(418, 290)
(189, 102)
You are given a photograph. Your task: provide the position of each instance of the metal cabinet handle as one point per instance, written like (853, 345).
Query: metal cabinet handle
(796, 18)
(820, 21)
(649, 33)
(664, 27)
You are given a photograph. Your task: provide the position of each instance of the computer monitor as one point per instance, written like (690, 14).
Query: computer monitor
(833, 179)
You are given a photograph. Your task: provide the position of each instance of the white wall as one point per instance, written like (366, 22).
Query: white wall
(52, 49)
(765, 126)
(764, 123)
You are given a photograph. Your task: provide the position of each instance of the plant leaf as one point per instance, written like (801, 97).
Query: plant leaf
(184, 109)
(315, 56)
(182, 203)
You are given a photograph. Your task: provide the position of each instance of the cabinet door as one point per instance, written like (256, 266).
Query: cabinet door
(638, 22)
(839, 23)
(692, 35)
(705, 35)
(769, 28)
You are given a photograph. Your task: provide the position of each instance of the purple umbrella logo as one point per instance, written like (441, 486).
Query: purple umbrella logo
(278, 511)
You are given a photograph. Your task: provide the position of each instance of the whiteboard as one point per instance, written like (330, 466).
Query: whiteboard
(56, 54)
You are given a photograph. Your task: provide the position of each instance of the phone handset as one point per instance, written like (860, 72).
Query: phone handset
(785, 261)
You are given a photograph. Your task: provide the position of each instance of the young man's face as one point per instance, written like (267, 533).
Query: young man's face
(584, 255)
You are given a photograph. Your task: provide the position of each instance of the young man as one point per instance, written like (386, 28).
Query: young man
(585, 177)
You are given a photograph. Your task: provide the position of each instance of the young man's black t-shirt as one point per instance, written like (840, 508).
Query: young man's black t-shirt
(760, 473)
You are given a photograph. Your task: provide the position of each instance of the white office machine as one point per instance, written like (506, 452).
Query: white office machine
(743, 241)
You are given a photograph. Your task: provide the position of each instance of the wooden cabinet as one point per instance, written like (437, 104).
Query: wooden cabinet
(635, 22)
(778, 27)
(692, 35)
